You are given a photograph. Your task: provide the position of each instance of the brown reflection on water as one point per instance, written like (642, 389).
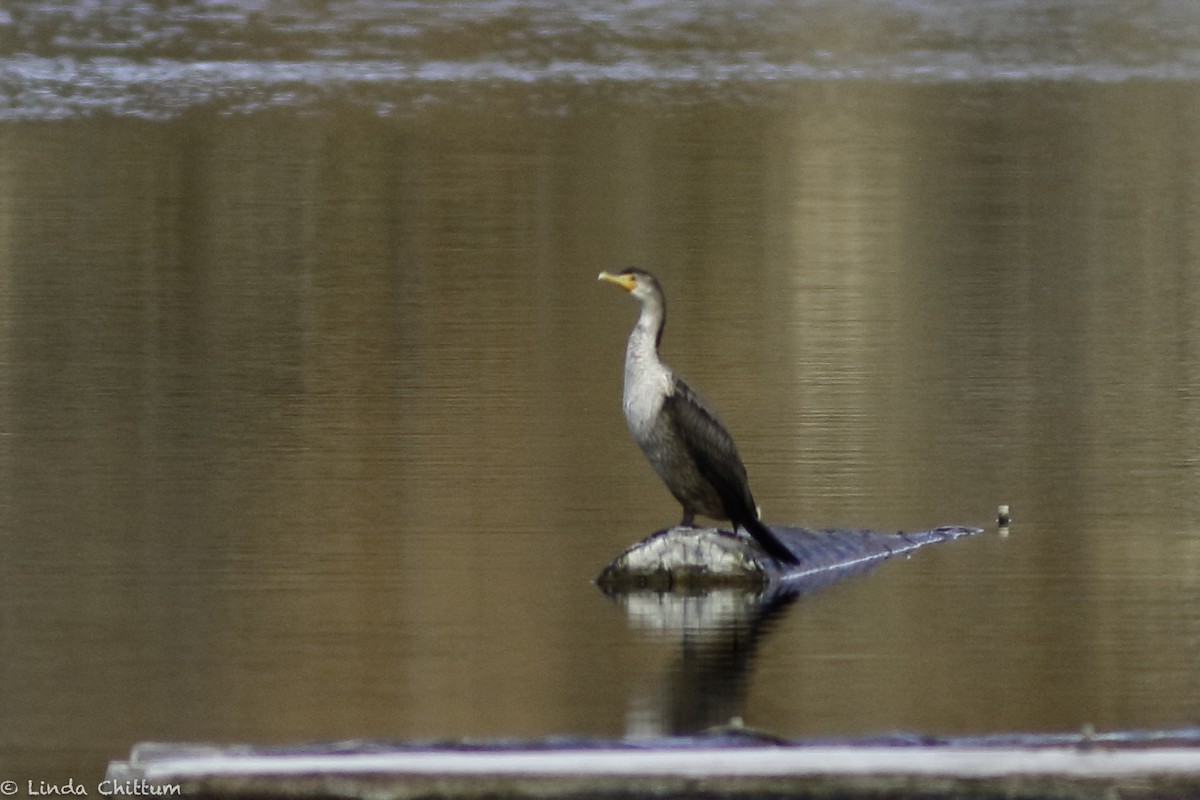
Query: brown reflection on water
(311, 426)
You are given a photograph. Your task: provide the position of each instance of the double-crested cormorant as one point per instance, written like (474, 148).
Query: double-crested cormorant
(678, 431)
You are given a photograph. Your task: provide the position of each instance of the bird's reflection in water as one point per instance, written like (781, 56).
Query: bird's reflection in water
(718, 629)
(718, 632)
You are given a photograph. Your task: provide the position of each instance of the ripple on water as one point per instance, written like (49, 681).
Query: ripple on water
(156, 60)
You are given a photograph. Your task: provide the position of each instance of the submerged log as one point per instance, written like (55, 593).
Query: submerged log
(708, 558)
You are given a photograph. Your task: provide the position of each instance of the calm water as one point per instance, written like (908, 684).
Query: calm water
(310, 403)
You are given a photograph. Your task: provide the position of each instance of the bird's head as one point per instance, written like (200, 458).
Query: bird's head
(639, 283)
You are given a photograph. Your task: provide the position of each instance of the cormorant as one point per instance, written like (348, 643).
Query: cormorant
(678, 431)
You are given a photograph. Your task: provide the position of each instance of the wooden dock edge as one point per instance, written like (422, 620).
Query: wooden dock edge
(844, 771)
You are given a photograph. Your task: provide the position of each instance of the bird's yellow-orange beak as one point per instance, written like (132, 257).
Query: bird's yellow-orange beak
(626, 282)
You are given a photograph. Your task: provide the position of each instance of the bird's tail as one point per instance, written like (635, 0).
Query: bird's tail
(770, 542)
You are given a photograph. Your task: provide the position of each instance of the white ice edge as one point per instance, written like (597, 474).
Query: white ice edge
(737, 762)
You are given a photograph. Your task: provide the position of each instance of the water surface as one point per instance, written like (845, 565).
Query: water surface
(309, 402)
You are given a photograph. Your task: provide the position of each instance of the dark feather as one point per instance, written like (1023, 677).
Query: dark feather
(712, 450)
(767, 539)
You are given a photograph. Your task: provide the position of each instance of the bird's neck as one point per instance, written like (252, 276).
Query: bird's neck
(647, 379)
(644, 341)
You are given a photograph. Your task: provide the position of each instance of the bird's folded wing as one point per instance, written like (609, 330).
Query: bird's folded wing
(710, 447)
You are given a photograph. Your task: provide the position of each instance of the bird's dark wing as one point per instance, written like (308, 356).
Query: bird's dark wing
(715, 456)
(711, 449)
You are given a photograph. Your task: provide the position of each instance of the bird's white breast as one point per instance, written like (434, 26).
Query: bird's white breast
(647, 381)
(646, 386)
